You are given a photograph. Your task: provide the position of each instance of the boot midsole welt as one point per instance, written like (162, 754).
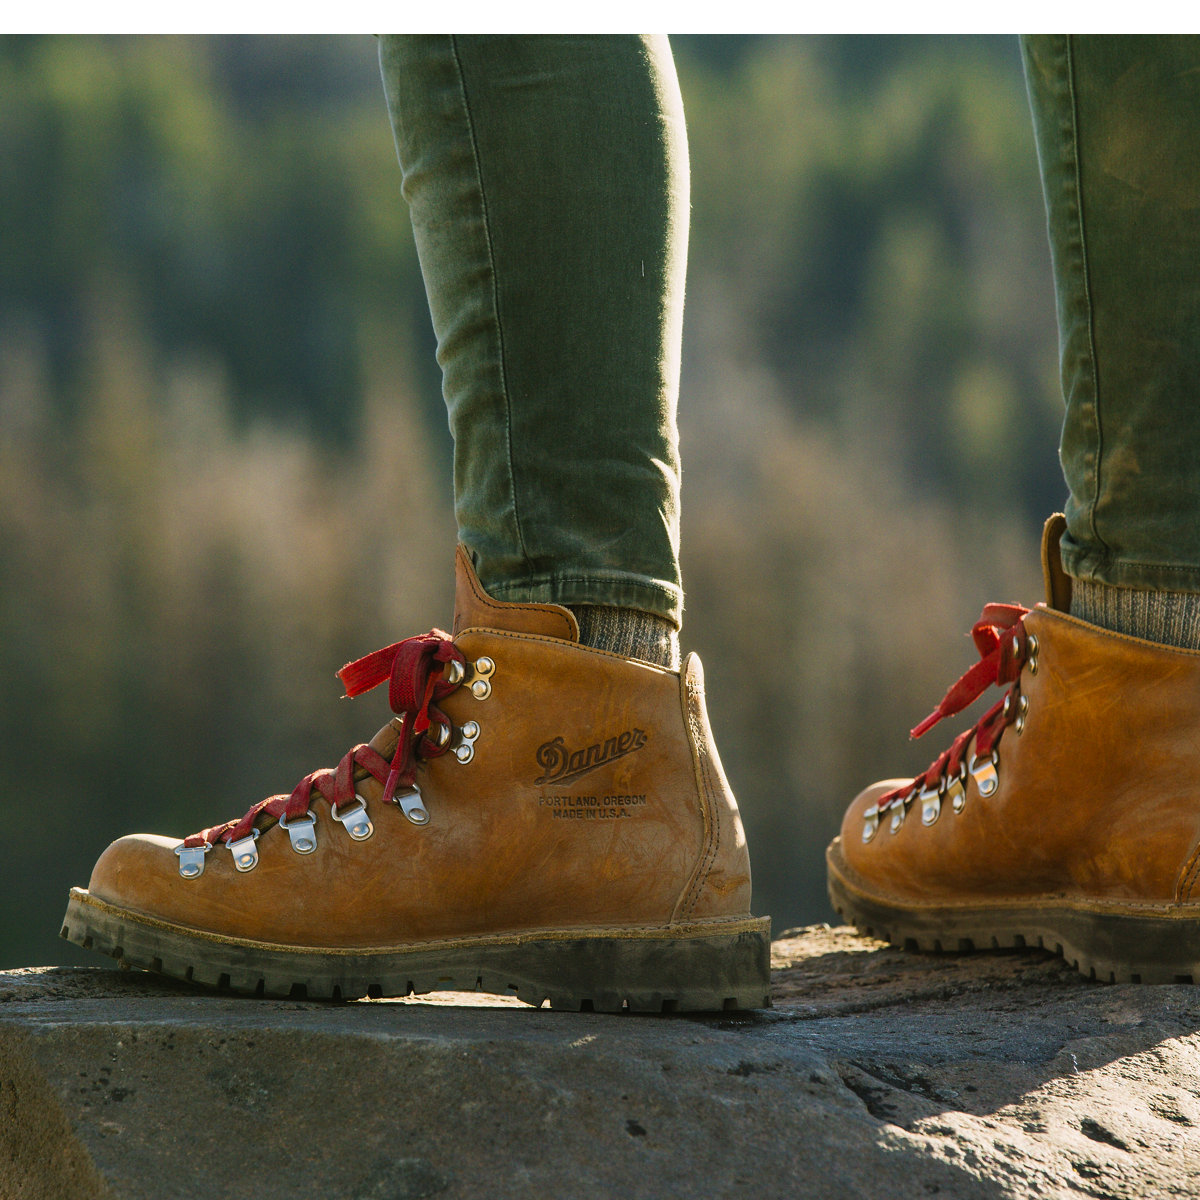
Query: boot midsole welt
(1116, 941)
(685, 967)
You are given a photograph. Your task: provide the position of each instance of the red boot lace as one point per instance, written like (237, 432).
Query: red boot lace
(1003, 647)
(414, 668)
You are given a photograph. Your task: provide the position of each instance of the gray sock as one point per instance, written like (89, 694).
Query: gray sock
(628, 631)
(1169, 618)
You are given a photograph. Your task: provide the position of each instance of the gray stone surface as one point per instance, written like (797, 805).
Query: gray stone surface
(877, 1073)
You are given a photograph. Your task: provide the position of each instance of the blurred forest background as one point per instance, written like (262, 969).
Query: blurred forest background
(224, 465)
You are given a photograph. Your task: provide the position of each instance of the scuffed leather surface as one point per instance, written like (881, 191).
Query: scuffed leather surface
(1097, 798)
(494, 857)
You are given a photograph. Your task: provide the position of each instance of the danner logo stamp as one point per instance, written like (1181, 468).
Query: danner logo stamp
(560, 764)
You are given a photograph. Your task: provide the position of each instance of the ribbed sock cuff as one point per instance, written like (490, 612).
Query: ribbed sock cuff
(630, 632)
(1169, 618)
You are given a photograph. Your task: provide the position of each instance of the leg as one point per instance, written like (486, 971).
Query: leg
(547, 180)
(1065, 817)
(1116, 120)
(543, 816)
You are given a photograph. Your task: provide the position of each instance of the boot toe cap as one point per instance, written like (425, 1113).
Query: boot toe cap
(136, 871)
(856, 818)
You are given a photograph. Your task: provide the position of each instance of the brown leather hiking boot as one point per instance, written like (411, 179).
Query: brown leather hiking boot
(542, 819)
(1067, 818)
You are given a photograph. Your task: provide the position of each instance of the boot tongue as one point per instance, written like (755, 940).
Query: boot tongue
(475, 609)
(384, 742)
(1058, 582)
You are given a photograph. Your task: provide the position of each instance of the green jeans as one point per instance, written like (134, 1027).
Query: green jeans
(1117, 121)
(547, 180)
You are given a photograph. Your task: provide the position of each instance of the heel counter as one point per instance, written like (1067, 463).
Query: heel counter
(720, 884)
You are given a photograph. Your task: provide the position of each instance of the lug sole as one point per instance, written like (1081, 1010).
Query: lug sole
(700, 967)
(1111, 944)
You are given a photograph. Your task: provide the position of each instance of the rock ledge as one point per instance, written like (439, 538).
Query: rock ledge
(876, 1073)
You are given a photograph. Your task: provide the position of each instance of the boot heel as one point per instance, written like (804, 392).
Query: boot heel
(700, 968)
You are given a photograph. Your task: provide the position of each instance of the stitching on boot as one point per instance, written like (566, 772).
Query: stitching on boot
(1049, 614)
(663, 929)
(714, 824)
(551, 640)
(1188, 881)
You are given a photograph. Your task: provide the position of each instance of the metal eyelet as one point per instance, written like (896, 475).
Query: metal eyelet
(438, 734)
(465, 750)
(987, 778)
(456, 672)
(931, 804)
(956, 790)
(354, 819)
(870, 823)
(482, 670)
(1022, 712)
(191, 859)
(412, 805)
(302, 831)
(245, 852)
(1031, 653)
(899, 812)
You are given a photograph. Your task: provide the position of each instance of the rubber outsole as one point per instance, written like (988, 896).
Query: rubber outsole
(1113, 944)
(700, 967)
